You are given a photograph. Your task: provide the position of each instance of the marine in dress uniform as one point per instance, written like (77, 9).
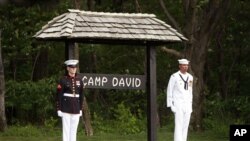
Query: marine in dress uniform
(179, 99)
(69, 101)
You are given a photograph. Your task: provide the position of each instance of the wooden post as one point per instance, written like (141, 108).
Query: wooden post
(151, 92)
(69, 50)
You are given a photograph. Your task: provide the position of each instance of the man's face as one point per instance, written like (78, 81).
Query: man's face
(71, 69)
(183, 67)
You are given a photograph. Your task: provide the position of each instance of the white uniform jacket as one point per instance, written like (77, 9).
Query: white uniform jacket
(177, 94)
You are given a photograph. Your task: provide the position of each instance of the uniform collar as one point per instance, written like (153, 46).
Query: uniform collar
(184, 74)
(71, 76)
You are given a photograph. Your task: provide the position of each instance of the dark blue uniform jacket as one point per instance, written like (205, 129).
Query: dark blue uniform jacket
(69, 97)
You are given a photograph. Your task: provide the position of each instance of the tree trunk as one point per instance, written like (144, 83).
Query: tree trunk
(200, 31)
(137, 7)
(200, 26)
(86, 117)
(197, 65)
(91, 5)
(40, 69)
(86, 114)
(3, 122)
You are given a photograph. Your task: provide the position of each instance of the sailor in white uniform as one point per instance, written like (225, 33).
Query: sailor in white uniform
(179, 99)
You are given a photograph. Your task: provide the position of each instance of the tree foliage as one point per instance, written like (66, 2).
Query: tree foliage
(30, 102)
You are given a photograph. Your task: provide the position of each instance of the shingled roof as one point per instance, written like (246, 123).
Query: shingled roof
(86, 25)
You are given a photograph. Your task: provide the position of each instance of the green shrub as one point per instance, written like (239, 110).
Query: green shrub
(101, 125)
(220, 114)
(30, 101)
(126, 122)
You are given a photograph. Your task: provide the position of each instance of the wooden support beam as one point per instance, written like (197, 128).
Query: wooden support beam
(69, 50)
(151, 93)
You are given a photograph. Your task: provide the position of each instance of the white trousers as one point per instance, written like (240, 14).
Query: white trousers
(182, 119)
(70, 124)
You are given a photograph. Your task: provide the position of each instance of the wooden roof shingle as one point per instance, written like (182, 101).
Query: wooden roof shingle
(76, 24)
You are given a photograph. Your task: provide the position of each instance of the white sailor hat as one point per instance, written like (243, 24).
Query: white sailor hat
(71, 62)
(183, 61)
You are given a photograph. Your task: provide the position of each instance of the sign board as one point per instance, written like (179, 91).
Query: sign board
(113, 81)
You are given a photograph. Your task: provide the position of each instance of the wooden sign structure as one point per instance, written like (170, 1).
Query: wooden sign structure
(112, 81)
(77, 26)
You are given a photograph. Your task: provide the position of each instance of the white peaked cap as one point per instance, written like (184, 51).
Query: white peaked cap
(183, 61)
(71, 62)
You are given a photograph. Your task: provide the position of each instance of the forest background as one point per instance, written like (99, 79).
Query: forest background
(32, 68)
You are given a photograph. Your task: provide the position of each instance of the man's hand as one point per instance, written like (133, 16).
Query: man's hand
(80, 112)
(173, 109)
(59, 113)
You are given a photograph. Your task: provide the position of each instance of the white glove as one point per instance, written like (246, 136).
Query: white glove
(173, 108)
(59, 113)
(80, 113)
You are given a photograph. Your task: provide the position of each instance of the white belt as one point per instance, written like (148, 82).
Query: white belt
(70, 95)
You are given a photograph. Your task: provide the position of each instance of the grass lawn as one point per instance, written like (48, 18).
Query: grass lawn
(162, 135)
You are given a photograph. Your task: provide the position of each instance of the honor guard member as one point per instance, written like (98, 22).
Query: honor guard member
(69, 101)
(179, 99)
